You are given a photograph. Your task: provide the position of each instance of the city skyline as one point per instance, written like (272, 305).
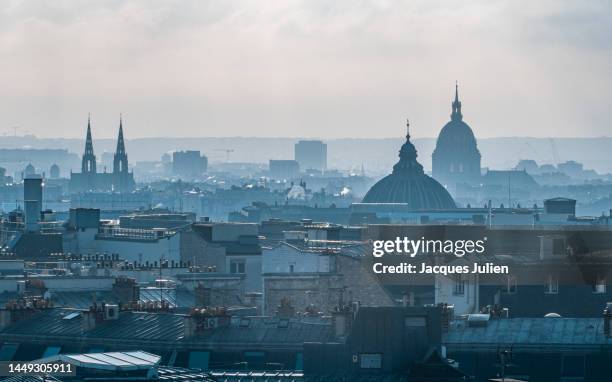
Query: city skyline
(304, 69)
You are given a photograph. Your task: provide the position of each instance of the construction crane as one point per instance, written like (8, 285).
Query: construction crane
(227, 153)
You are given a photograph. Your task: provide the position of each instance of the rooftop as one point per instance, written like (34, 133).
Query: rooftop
(167, 329)
(545, 332)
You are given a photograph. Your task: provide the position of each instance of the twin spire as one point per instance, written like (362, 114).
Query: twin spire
(89, 141)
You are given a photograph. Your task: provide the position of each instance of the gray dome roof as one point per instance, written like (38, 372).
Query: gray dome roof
(408, 183)
(456, 137)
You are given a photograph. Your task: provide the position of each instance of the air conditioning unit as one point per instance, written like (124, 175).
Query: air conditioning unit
(211, 323)
(111, 312)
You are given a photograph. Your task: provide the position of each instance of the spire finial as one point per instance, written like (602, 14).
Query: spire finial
(407, 128)
(456, 91)
(456, 114)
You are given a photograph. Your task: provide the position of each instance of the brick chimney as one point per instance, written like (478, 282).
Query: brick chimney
(16, 310)
(126, 289)
(200, 320)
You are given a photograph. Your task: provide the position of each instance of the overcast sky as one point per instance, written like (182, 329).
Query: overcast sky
(305, 68)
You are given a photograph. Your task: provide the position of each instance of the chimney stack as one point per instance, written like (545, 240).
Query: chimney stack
(126, 289)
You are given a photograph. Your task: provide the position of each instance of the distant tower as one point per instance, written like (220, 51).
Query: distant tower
(456, 106)
(54, 172)
(29, 170)
(123, 180)
(120, 161)
(88, 165)
(456, 158)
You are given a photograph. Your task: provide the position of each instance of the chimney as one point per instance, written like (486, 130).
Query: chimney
(199, 320)
(285, 309)
(16, 310)
(607, 316)
(255, 300)
(88, 320)
(202, 296)
(126, 289)
(340, 323)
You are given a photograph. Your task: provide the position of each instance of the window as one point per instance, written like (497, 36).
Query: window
(599, 286)
(299, 361)
(370, 361)
(237, 266)
(459, 286)
(511, 285)
(552, 284)
(415, 322)
(291, 267)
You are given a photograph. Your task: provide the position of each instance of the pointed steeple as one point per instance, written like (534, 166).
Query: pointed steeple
(456, 114)
(88, 140)
(120, 144)
(120, 161)
(88, 163)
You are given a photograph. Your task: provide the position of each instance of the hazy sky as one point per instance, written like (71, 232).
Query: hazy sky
(305, 68)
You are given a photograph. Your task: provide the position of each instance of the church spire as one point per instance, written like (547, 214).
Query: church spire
(456, 114)
(120, 143)
(88, 140)
(88, 164)
(120, 160)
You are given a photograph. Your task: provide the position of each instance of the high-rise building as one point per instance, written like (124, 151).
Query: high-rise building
(284, 169)
(311, 155)
(189, 164)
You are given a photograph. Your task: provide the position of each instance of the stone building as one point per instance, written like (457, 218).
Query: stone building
(328, 277)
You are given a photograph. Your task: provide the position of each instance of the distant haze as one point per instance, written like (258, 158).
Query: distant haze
(376, 155)
(307, 68)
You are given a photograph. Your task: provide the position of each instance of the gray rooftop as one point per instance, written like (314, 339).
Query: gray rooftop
(529, 332)
(168, 329)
